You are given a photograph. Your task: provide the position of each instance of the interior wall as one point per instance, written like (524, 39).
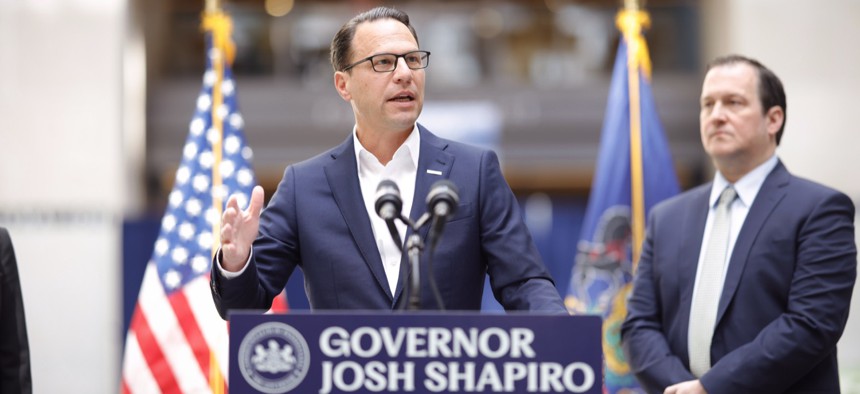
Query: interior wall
(62, 183)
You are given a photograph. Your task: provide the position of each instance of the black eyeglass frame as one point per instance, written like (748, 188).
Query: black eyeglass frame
(426, 54)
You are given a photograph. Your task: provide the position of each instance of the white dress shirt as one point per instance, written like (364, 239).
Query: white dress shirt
(403, 170)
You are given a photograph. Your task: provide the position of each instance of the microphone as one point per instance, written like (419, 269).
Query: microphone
(388, 202)
(442, 202)
(388, 206)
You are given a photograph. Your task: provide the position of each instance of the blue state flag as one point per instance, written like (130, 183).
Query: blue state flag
(634, 164)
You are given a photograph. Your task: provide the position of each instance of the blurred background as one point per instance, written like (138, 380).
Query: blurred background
(96, 96)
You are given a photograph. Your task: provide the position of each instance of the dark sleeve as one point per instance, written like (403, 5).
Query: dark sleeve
(642, 333)
(14, 349)
(519, 279)
(274, 257)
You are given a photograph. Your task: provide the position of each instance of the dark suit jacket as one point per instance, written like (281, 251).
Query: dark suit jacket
(784, 303)
(14, 348)
(317, 220)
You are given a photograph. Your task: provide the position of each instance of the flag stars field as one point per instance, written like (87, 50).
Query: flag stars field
(237, 122)
(231, 145)
(206, 160)
(204, 241)
(227, 168)
(204, 102)
(211, 216)
(193, 207)
(189, 151)
(245, 177)
(196, 127)
(172, 279)
(209, 78)
(175, 198)
(161, 246)
(222, 111)
(179, 255)
(168, 223)
(186, 231)
(182, 175)
(227, 87)
(200, 264)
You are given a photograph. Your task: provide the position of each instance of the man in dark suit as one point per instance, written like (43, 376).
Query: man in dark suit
(767, 316)
(14, 348)
(322, 217)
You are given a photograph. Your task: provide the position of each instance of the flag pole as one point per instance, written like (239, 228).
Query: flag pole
(219, 26)
(630, 21)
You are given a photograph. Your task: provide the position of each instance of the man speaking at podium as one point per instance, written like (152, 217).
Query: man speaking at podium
(322, 217)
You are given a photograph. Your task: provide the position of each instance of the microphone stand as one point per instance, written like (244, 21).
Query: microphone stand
(414, 247)
(388, 207)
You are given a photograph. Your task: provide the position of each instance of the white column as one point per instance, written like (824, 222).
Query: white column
(62, 182)
(808, 44)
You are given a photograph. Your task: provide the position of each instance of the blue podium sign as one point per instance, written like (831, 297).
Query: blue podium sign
(414, 353)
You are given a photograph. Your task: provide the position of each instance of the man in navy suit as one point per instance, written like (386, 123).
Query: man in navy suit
(768, 318)
(322, 217)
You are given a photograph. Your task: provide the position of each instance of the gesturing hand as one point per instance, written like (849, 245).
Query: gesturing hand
(239, 229)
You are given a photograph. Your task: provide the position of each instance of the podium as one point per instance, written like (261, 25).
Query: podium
(421, 352)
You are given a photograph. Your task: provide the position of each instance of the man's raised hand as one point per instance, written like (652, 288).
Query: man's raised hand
(239, 229)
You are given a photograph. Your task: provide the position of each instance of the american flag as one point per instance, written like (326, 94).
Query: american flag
(176, 341)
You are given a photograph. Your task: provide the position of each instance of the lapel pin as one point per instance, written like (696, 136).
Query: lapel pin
(434, 172)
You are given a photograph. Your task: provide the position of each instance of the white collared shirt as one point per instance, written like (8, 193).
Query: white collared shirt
(403, 170)
(747, 189)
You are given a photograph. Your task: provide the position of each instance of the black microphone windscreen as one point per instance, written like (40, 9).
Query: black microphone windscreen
(443, 195)
(388, 201)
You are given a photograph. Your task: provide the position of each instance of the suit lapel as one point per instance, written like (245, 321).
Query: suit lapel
(434, 159)
(693, 228)
(342, 176)
(771, 193)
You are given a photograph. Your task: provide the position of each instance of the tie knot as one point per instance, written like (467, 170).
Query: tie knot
(727, 196)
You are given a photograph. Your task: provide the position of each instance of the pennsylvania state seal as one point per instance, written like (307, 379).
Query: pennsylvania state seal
(274, 358)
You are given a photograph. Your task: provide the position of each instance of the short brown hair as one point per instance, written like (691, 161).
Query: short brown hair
(341, 45)
(770, 90)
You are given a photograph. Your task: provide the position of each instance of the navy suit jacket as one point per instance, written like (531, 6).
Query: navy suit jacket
(14, 347)
(317, 220)
(784, 303)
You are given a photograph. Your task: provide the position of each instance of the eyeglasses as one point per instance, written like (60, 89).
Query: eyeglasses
(387, 62)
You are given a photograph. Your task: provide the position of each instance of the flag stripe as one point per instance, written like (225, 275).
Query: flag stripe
(212, 327)
(167, 332)
(151, 352)
(189, 327)
(136, 372)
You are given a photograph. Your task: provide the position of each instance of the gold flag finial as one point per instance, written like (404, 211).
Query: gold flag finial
(212, 6)
(631, 5)
(631, 21)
